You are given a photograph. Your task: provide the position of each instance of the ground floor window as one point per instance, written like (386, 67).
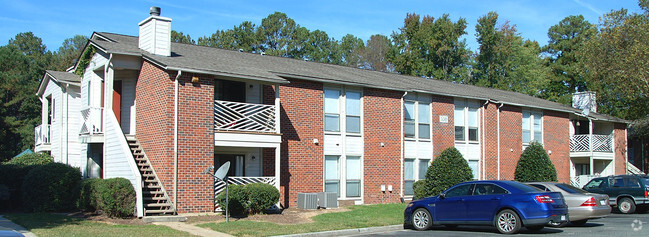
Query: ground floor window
(342, 175)
(413, 170)
(474, 164)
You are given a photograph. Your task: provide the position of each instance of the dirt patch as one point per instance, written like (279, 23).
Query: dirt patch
(288, 216)
(107, 220)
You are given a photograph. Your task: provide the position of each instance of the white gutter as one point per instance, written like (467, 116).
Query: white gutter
(176, 140)
(498, 135)
(484, 160)
(626, 153)
(402, 143)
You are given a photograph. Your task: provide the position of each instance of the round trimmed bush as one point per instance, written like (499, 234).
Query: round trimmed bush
(238, 204)
(88, 197)
(448, 169)
(261, 196)
(116, 197)
(52, 187)
(31, 159)
(535, 165)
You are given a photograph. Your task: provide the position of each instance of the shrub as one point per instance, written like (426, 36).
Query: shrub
(535, 165)
(88, 197)
(261, 196)
(419, 188)
(12, 177)
(238, 197)
(115, 197)
(52, 187)
(31, 159)
(448, 169)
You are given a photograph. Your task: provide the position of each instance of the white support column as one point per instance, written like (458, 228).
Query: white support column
(590, 145)
(277, 110)
(277, 166)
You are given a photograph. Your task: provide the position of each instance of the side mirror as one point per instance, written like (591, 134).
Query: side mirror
(442, 195)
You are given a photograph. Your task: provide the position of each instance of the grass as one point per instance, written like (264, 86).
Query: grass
(45, 224)
(358, 217)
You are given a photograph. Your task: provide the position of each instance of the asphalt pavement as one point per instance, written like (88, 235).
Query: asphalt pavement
(613, 225)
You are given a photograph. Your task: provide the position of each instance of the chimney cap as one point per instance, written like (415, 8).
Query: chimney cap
(154, 11)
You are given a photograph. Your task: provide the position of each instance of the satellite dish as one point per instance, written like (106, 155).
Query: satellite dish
(222, 171)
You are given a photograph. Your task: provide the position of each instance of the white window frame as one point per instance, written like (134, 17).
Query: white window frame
(465, 105)
(417, 100)
(533, 115)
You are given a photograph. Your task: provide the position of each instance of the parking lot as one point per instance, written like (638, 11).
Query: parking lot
(613, 225)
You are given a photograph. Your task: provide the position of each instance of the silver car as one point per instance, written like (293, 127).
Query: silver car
(582, 205)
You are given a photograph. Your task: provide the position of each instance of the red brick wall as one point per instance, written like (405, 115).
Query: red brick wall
(155, 118)
(556, 138)
(490, 140)
(302, 161)
(620, 148)
(511, 140)
(443, 133)
(382, 124)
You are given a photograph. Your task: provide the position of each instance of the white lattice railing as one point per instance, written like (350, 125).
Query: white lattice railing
(599, 143)
(219, 186)
(236, 116)
(42, 134)
(92, 121)
(581, 180)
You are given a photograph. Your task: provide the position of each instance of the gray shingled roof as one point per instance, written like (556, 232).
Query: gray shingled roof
(277, 69)
(64, 76)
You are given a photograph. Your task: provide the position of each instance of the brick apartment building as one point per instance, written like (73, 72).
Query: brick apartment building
(159, 113)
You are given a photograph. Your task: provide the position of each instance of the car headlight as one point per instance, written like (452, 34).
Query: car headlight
(410, 204)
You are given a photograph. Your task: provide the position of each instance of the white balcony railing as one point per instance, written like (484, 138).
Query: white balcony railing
(246, 117)
(581, 180)
(92, 121)
(219, 186)
(595, 143)
(42, 134)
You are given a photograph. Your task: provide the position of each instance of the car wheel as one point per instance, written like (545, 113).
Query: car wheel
(557, 224)
(626, 206)
(421, 219)
(508, 222)
(535, 227)
(579, 222)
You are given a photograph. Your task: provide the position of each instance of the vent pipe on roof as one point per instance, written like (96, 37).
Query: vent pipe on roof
(154, 11)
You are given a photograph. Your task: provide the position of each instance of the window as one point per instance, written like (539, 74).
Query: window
(353, 176)
(53, 114)
(88, 89)
(424, 120)
(473, 164)
(461, 190)
(409, 176)
(532, 126)
(353, 111)
(423, 168)
(597, 183)
(466, 120)
(409, 119)
(332, 177)
(416, 116)
(332, 112)
(488, 189)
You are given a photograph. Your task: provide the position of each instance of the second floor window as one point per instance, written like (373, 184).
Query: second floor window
(532, 126)
(332, 110)
(342, 105)
(466, 120)
(416, 117)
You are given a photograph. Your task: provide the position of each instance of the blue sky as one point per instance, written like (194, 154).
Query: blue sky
(55, 20)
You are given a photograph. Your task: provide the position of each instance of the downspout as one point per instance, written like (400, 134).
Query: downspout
(176, 140)
(498, 135)
(402, 143)
(484, 160)
(625, 147)
(590, 146)
(67, 117)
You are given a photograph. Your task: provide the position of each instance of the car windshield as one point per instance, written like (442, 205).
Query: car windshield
(646, 181)
(570, 188)
(525, 188)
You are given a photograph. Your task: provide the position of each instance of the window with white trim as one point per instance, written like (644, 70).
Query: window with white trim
(408, 176)
(332, 110)
(353, 111)
(532, 125)
(416, 117)
(332, 174)
(353, 176)
(466, 120)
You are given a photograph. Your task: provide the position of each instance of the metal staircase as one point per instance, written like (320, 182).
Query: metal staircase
(155, 198)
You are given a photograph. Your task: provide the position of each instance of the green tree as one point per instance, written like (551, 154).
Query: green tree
(22, 65)
(567, 38)
(223, 39)
(69, 52)
(275, 33)
(431, 48)
(448, 169)
(374, 54)
(180, 37)
(321, 48)
(617, 60)
(351, 50)
(505, 60)
(535, 165)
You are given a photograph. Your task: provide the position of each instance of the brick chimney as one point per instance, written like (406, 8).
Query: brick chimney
(155, 33)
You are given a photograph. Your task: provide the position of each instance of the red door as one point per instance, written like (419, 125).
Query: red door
(117, 100)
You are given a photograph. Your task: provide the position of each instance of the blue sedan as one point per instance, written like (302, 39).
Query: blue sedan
(507, 205)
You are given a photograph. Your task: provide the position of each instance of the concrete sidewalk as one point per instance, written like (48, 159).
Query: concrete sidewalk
(6, 225)
(192, 229)
(350, 232)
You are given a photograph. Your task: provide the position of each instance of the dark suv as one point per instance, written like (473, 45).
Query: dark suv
(625, 191)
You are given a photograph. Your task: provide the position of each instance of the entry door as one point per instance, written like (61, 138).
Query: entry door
(237, 163)
(117, 100)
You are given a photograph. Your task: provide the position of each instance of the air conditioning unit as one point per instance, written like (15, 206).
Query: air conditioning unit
(307, 201)
(328, 200)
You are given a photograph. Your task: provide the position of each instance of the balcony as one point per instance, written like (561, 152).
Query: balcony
(245, 117)
(92, 129)
(42, 138)
(591, 143)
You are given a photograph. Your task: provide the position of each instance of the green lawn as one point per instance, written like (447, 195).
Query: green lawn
(44, 224)
(359, 217)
